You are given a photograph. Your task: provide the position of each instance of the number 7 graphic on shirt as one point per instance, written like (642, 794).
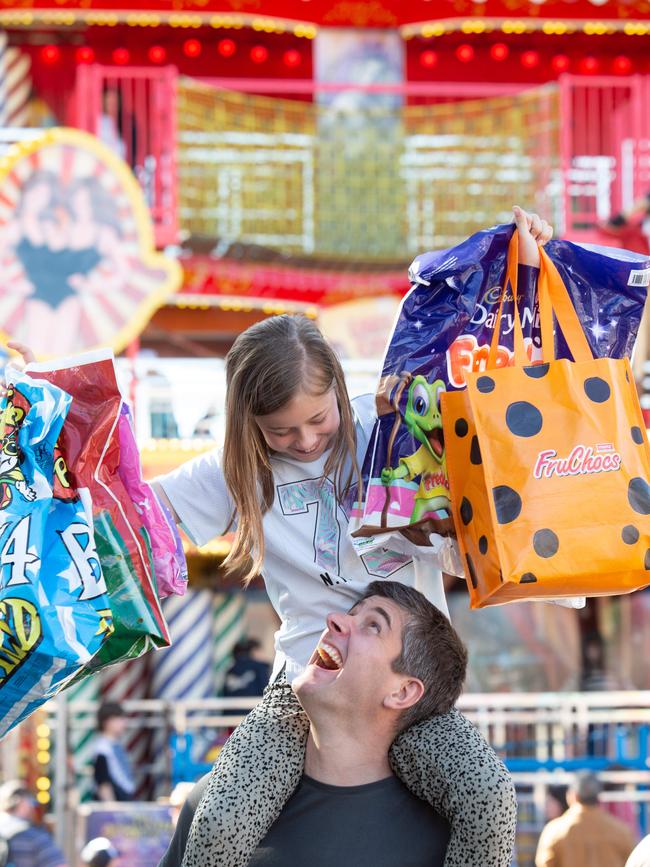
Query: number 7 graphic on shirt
(296, 498)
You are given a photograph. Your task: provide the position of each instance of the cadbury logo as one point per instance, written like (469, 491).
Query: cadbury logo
(583, 460)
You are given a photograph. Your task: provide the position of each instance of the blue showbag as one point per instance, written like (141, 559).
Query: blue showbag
(443, 330)
(54, 611)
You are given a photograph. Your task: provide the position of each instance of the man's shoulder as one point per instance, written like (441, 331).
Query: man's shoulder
(36, 842)
(559, 827)
(28, 839)
(11, 825)
(35, 833)
(615, 824)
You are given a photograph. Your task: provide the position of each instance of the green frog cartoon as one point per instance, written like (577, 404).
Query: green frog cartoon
(424, 422)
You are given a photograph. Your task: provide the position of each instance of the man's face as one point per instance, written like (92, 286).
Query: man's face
(351, 669)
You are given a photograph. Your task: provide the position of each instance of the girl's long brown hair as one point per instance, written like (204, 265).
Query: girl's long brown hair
(267, 366)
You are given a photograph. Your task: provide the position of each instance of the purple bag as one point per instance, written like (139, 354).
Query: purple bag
(443, 330)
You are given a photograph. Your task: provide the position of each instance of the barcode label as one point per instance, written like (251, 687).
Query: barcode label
(639, 278)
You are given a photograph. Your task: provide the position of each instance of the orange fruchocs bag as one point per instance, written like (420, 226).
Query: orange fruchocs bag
(549, 466)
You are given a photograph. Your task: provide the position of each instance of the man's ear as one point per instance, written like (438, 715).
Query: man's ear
(408, 693)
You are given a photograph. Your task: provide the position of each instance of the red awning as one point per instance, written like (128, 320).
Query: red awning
(256, 283)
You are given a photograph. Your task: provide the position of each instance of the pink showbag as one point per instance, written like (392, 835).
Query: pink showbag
(170, 567)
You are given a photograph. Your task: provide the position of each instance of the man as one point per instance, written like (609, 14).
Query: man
(392, 660)
(586, 835)
(22, 842)
(247, 676)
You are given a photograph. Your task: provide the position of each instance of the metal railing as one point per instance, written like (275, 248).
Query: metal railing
(542, 737)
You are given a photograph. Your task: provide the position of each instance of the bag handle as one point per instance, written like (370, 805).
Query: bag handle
(521, 358)
(554, 299)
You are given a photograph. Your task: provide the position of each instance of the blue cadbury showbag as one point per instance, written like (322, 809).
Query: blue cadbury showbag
(443, 330)
(54, 611)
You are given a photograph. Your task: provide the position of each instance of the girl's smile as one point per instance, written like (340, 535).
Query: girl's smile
(304, 427)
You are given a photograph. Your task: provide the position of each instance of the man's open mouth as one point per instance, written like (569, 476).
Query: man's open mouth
(328, 657)
(436, 440)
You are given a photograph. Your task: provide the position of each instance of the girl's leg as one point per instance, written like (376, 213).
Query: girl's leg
(447, 762)
(256, 772)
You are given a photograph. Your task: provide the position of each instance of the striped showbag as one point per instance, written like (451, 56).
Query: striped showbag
(15, 84)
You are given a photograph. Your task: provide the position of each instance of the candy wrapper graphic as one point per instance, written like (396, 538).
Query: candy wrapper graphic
(54, 609)
(169, 564)
(443, 331)
(91, 444)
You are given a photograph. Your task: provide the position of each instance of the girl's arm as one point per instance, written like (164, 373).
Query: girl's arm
(164, 499)
(196, 491)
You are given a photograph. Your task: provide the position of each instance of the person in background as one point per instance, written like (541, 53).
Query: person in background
(247, 676)
(112, 770)
(98, 852)
(556, 802)
(586, 835)
(631, 226)
(23, 843)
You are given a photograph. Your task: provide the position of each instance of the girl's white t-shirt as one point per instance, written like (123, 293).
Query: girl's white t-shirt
(310, 565)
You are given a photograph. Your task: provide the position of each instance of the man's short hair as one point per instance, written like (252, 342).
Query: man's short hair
(246, 646)
(109, 710)
(12, 793)
(432, 651)
(587, 787)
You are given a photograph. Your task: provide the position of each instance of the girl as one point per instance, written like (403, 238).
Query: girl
(293, 445)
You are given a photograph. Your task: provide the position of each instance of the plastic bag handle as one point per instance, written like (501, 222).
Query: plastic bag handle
(521, 358)
(554, 299)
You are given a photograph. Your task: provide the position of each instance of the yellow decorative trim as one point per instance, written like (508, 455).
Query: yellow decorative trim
(150, 257)
(146, 18)
(602, 27)
(235, 304)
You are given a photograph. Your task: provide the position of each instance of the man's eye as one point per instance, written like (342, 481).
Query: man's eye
(375, 625)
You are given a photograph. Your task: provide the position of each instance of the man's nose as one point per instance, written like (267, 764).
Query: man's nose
(338, 622)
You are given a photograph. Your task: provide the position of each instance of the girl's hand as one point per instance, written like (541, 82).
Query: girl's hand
(533, 231)
(27, 354)
(27, 358)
